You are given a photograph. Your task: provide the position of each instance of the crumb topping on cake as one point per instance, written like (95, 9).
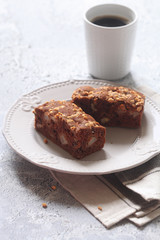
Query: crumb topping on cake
(69, 112)
(112, 94)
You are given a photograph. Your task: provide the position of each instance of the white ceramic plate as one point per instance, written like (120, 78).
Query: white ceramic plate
(124, 148)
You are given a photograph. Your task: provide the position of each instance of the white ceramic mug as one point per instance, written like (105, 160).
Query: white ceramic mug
(109, 49)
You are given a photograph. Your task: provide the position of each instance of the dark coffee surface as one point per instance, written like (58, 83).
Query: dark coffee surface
(110, 21)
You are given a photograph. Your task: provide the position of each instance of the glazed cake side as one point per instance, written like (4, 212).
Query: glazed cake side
(111, 106)
(70, 127)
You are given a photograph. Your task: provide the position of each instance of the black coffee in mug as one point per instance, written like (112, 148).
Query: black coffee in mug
(110, 21)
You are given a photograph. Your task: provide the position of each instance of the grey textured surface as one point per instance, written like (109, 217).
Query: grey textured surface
(42, 42)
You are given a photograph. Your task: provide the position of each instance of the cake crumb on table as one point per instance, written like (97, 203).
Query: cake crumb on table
(53, 187)
(44, 205)
(99, 208)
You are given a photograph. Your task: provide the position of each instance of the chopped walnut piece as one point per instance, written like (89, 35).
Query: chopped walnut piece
(111, 99)
(139, 108)
(90, 124)
(93, 107)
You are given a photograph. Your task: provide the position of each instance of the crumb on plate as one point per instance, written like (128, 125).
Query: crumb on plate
(45, 140)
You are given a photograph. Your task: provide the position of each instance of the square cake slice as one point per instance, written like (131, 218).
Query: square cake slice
(68, 126)
(111, 106)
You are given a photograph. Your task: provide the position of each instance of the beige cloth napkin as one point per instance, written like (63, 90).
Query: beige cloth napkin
(133, 194)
